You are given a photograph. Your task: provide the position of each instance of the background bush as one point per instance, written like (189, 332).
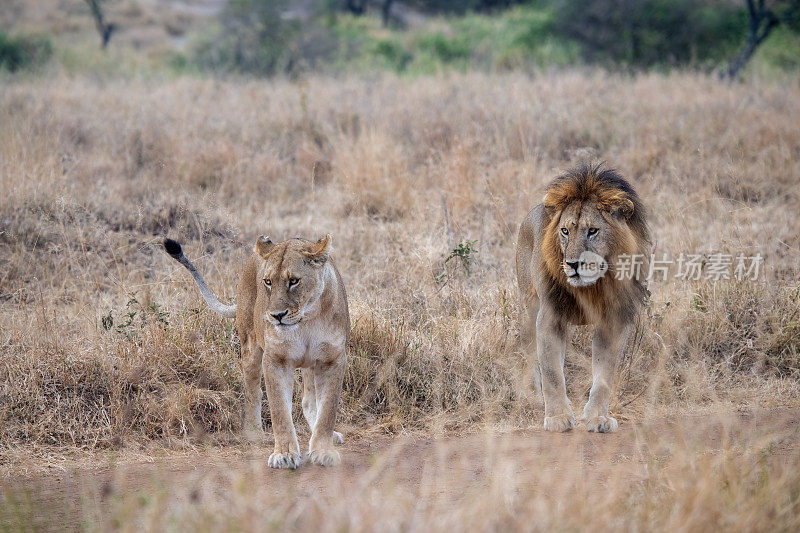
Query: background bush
(257, 37)
(652, 32)
(19, 52)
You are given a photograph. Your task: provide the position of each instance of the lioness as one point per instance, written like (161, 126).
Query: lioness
(568, 261)
(291, 312)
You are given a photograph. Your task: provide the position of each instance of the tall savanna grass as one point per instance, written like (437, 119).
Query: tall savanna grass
(105, 340)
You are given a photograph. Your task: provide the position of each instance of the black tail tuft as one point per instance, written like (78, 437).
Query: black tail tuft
(173, 248)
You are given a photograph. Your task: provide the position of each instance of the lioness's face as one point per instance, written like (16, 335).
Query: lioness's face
(293, 277)
(584, 236)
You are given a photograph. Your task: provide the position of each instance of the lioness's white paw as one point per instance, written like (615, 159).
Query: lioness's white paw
(602, 424)
(324, 457)
(559, 423)
(337, 438)
(284, 460)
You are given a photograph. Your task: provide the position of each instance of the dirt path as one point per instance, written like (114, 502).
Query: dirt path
(442, 468)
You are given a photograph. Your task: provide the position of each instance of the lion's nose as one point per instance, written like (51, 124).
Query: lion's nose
(279, 316)
(573, 264)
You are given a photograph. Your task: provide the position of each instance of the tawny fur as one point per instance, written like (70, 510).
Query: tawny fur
(583, 200)
(291, 312)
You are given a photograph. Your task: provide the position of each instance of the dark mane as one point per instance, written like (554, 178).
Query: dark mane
(593, 182)
(612, 194)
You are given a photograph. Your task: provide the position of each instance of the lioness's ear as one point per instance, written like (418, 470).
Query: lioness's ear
(318, 252)
(264, 246)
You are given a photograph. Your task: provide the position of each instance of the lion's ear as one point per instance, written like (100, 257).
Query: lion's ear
(319, 251)
(264, 246)
(621, 207)
(615, 202)
(550, 203)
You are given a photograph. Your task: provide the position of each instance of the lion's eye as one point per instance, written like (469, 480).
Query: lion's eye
(592, 231)
(293, 282)
(564, 231)
(267, 282)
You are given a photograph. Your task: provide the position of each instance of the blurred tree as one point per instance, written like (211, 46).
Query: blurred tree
(105, 29)
(256, 37)
(763, 18)
(359, 7)
(462, 6)
(356, 7)
(386, 12)
(649, 32)
(265, 37)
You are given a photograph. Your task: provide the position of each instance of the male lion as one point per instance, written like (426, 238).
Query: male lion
(589, 219)
(291, 312)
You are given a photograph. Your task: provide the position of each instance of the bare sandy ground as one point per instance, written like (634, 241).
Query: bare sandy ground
(59, 493)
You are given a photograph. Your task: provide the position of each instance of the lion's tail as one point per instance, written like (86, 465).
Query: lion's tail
(174, 249)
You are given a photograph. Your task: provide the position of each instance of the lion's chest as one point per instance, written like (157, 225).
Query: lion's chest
(304, 344)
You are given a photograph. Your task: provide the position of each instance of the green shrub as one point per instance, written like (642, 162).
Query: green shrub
(447, 49)
(20, 52)
(392, 53)
(782, 49)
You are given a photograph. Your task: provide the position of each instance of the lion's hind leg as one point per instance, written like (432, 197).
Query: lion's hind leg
(529, 300)
(551, 340)
(528, 314)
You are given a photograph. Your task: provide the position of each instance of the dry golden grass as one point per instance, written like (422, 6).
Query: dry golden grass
(699, 473)
(400, 171)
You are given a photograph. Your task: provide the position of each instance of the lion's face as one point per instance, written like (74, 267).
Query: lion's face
(584, 234)
(293, 277)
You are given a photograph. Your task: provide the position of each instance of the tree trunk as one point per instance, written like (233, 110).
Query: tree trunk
(386, 12)
(762, 22)
(741, 60)
(103, 28)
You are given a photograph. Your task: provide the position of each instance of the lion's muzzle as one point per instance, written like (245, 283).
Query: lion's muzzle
(589, 268)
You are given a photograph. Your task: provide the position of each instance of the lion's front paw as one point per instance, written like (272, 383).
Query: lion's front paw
(337, 438)
(602, 424)
(324, 457)
(285, 460)
(559, 423)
